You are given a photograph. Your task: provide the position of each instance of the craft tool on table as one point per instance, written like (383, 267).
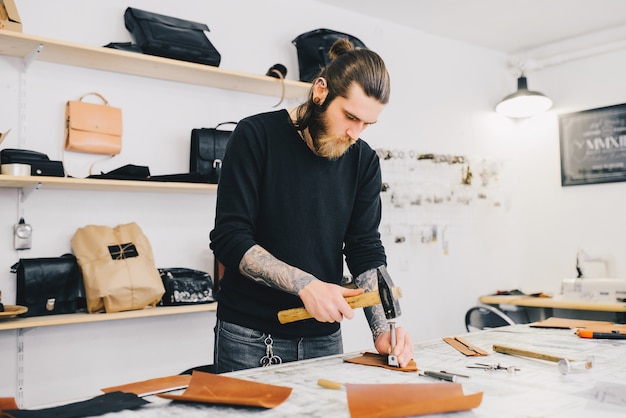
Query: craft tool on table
(392, 359)
(448, 377)
(565, 365)
(613, 335)
(330, 384)
(496, 366)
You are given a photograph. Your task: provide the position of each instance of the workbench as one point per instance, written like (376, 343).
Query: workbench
(539, 308)
(537, 390)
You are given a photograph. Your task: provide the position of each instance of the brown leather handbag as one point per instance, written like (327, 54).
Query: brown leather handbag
(92, 127)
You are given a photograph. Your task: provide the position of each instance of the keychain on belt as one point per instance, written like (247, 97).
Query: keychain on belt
(269, 358)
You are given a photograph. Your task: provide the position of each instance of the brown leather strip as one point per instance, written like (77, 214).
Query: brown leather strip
(380, 360)
(465, 347)
(152, 386)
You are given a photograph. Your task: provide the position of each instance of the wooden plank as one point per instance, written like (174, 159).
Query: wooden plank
(536, 302)
(21, 45)
(66, 183)
(81, 318)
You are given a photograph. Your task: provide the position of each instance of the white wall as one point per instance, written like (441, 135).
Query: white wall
(442, 100)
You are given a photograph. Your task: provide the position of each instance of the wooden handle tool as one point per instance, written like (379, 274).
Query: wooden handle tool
(329, 384)
(525, 353)
(360, 301)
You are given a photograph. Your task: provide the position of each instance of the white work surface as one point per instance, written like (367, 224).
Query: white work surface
(538, 390)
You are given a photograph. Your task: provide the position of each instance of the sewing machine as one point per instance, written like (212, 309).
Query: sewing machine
(594, 290)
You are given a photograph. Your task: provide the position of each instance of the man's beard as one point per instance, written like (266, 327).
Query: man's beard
(325, 145)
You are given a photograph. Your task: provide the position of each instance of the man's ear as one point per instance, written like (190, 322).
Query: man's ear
(320, 90)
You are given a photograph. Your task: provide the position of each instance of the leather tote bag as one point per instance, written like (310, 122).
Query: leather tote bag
(118, 268)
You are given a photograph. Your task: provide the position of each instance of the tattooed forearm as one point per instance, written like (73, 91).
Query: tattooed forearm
(261, 266)
(375, 315)
(376, 318)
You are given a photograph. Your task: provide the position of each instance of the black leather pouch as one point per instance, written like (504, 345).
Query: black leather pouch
(170, 37)
(208, 146)
(40, 164)
(49, 286)
(312, 48)
(185, 286)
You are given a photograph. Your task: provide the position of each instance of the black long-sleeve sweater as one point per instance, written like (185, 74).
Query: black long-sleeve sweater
(305, 210)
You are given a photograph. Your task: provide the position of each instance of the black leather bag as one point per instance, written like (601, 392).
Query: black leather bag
(313, 47)
(208, 146)
(49, 286)
(40, 164)
(184, 286)
(170, 37)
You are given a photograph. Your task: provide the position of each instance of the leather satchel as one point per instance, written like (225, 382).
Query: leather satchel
(313, 47)
(93, 128)
(208, 146)
(49, 286)
(170, 37)
(118, 268)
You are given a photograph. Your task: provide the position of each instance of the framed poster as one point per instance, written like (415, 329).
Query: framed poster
(593, 146)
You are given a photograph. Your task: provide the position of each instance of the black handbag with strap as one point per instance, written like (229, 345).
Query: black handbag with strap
(49, 285)
(208, 146)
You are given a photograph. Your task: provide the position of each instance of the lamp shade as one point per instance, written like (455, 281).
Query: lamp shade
(523, 103)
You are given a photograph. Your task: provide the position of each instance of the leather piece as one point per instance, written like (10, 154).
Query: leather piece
(7, 403)
(567, 323)
(408, 399)
(218, 389)
(465, 347)
(152, 386)
(380, 360)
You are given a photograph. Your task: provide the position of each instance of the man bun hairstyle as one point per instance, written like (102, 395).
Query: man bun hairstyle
(348, 64)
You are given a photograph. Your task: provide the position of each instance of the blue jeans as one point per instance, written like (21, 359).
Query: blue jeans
(238, 347)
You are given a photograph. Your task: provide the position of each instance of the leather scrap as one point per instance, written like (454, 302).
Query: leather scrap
(569, 323)
(218, 389)
(465, 347)
(408, 399)
(8, 403)
(380, 360)
(152, 386)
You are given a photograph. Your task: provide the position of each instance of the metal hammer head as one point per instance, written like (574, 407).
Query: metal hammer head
(388, 294)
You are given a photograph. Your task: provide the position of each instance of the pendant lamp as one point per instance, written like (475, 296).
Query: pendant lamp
(523, 103)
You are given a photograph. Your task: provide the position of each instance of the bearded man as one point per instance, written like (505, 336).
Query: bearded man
(299, 191)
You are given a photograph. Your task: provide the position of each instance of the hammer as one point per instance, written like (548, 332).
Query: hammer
(387, 296)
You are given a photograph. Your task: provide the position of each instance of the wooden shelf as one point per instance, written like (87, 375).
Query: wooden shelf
(81, 318)
(42, 182)
(20, 45)
(535, 302)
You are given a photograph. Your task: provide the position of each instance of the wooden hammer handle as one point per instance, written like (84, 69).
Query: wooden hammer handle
(360, 301)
